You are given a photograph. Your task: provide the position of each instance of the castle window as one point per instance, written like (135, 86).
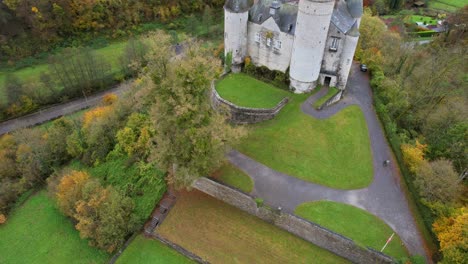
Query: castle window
(290, 27)
(277, 44)
(268, 43)
(257, 37)
(334, 44)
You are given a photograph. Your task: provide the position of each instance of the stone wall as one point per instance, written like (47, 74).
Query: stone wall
(269, 56)
(309, 231)
(245, 115)
(335, 98)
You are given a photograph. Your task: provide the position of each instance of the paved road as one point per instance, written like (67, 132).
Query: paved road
(383, 198)
(59, 110)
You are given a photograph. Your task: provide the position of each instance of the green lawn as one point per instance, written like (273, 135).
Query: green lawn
(221, 233)
(144, 250)
(234, 177)
(334, 152)
(364, 228)
(456, 3)
(246, 91)
(331, 92)
(37, 232)
(426, 19)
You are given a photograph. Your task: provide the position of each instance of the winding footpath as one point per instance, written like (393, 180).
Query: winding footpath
(383, 198)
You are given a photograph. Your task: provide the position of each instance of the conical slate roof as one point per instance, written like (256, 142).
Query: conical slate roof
(237, 6)
(355, 8)
(354, 31)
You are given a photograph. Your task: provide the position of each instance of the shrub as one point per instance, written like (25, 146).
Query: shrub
(228, 61)
(109, 99)
(259, 202)
(3, 219)
(277, 78)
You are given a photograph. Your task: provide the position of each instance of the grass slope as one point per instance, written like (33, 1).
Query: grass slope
(334, 152)
(331, 92)
(234, 177)
(246, 91)
(143, 250)
(447, 5)
(38, 233)
(355, 223)
(221, 233)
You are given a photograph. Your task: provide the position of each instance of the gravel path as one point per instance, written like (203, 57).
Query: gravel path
(57, 111)
(383, 198)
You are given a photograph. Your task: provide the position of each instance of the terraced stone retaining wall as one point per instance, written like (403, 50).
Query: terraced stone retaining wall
(335, 98)
(245, 115)
(307, 230)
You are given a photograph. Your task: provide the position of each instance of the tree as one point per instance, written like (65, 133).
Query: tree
(452, 234)
(413, 156)
(135, 138)
(102, 215)
(208, 19)
(372, 30)
(80, 70)
(446, 131)
(190, 136)
(133, 57)
(191, 25)
(159, 54)
(32, 157)
(8, 148)
(13, 88)
(55, 137)
(70, 191)
(437, 181)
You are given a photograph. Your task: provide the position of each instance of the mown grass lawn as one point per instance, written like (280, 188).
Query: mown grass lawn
(334, 152)
(331, 92)
(447, 5)
(247, 91)
(221, 233)
(143, 250)
(426, 19)
(234, 177)
(364, 228)
(37, 232)
(456, 3)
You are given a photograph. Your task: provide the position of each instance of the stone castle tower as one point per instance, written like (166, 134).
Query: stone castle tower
(314, 39)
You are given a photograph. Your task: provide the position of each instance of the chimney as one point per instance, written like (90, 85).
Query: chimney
(274, 9)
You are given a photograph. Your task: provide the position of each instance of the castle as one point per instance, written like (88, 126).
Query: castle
(314, 39)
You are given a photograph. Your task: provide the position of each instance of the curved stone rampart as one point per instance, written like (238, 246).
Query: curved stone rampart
(307, 230)
(245, 115)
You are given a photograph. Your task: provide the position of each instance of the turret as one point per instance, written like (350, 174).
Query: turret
(355, 9)
(313, 21)
(236, 15)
